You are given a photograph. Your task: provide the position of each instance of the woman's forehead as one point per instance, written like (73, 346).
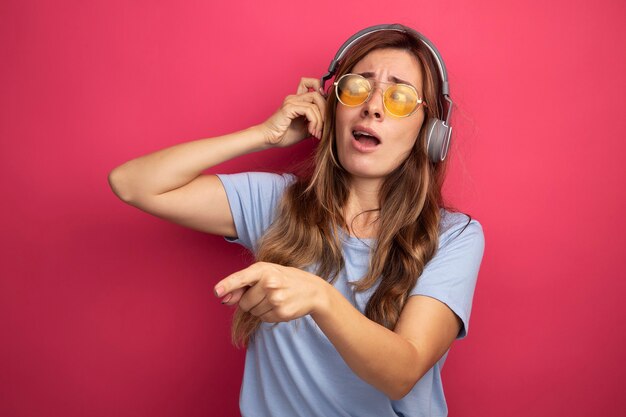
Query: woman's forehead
(391, 63)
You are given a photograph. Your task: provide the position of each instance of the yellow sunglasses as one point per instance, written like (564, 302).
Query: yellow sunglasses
(400, 100)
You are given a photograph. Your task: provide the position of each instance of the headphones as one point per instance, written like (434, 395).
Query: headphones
(438, 132)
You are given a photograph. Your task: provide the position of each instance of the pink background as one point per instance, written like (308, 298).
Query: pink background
(107, 311)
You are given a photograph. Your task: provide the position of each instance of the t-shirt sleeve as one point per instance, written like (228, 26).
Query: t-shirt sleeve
(253, 198)
(451, 275)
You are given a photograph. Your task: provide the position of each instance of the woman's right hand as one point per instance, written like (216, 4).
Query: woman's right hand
(300, 116)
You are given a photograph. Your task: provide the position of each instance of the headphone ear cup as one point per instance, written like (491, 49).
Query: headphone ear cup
(437, 139)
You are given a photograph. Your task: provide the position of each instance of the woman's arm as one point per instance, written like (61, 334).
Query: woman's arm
(391, 361)
(169, 183)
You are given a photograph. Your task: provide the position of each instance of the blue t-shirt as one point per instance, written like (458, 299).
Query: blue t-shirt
(292, 369)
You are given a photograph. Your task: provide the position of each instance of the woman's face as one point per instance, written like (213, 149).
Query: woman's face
(365, 157)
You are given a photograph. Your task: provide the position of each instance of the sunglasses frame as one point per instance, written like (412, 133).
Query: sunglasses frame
(373, 88)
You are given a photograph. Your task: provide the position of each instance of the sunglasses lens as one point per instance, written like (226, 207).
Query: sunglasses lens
(400, 100)
(353, 90)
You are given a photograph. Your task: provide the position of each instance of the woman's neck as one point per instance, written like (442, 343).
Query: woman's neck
(362, 208)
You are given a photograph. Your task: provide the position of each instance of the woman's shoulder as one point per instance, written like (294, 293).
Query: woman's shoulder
(258, 181)
(456, 223)
(262, 176)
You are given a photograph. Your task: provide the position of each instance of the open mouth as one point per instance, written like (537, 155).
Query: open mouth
(365, 138)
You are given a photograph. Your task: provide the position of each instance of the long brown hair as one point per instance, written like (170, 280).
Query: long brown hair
(305, 231)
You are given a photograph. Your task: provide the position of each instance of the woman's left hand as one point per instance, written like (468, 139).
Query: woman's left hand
(272, 292)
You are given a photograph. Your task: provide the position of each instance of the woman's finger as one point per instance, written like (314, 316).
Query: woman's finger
(313, 116)
(252, 298)
(234, 296)
(308, 110)
(238, 280)
(310, 97)
(261, 308)
(307, 84)
(320, 101)
(270, 317)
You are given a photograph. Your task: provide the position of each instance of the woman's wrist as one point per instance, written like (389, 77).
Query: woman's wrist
(264, 137)
(323, 300)
(253, 139)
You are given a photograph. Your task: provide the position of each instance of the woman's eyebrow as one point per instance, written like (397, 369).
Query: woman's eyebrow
(401, 81)
(391, 78)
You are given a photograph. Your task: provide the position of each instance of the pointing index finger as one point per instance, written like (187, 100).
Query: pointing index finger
(240, 279)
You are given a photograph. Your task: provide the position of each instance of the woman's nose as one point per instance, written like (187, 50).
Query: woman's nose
(374, 105)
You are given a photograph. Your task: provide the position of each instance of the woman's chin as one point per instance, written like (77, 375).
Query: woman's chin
(365, 171)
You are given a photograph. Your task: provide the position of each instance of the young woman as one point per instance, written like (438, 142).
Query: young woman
(363, 279)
